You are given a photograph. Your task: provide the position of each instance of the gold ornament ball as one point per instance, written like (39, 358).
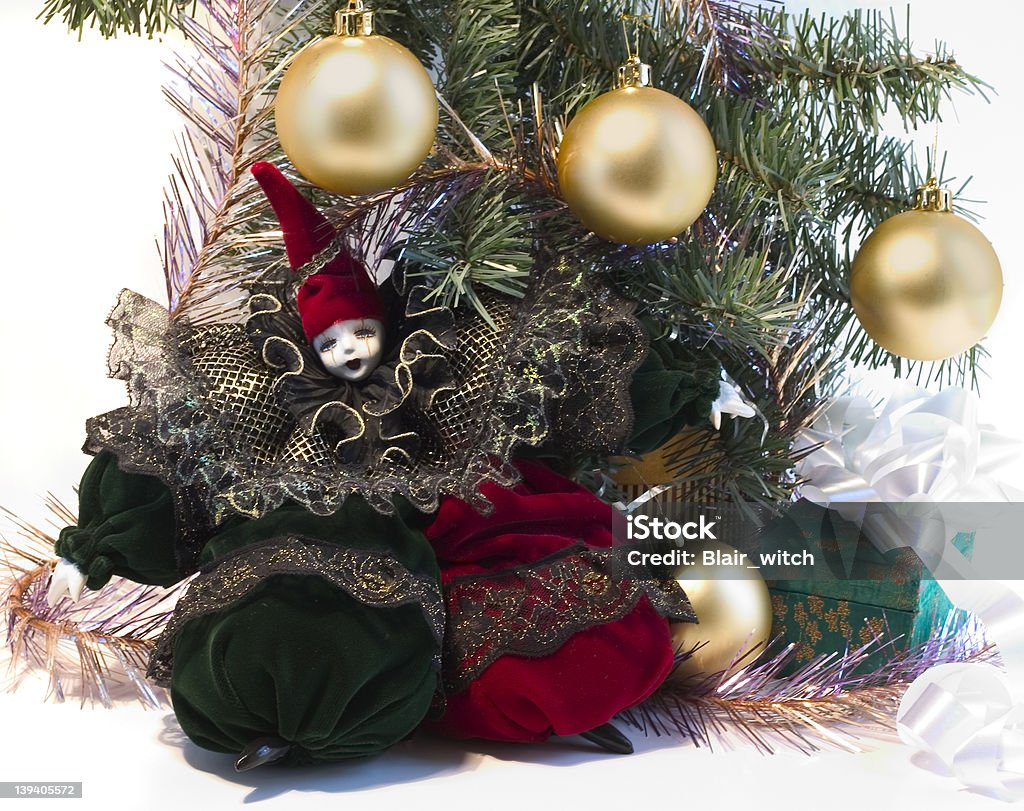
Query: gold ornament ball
(637, 165)
(926, 285)
(733, 608)
(356, 114)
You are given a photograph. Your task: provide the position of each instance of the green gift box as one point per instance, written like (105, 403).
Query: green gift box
(888, 597)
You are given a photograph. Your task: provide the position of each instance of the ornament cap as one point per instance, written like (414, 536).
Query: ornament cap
(633, 73)
(933, 197)
(354, 20)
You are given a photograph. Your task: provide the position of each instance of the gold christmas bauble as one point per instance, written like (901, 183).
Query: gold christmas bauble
(926, 285)
(356, 114)
(637, 165)
(733, 608)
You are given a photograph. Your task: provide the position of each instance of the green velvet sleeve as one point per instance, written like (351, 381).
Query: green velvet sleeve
(674, 387)
(126, 526)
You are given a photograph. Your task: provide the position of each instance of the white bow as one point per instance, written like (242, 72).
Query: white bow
(920, 451)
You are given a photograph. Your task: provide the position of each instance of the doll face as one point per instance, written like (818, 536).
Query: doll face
(351, 349)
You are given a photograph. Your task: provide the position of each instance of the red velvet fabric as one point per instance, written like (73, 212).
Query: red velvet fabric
(325, 300)
(593, 676)
(343, 290)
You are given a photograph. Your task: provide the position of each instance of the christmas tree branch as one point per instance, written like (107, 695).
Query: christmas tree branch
(831, 701)
(479, 244)
(784, 169)
(862, 64)
(728, 34)
(147, 17)
(697, 48)
(570, 52)
(727, 296)
(479, 58)
(214, 102)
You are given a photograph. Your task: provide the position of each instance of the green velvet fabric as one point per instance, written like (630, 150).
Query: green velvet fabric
(356, 526)
(126, 526)
(299, 658)
(674, 387)
(302, 660)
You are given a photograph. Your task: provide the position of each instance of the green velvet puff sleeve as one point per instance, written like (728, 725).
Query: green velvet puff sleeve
(126, 526)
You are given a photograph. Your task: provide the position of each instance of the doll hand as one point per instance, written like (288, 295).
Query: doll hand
(67, 580)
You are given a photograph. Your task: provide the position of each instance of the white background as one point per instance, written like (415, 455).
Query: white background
(86, 139)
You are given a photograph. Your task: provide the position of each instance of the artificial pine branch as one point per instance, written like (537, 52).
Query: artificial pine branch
(210, 195)
(479, 54)
(834, 701)
(481, 244)
(147, 17)
(864, 64)
(769, 161)
(728, 34)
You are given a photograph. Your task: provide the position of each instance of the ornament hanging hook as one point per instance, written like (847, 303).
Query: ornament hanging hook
(633, 72)
(932, 196)
(355, 20)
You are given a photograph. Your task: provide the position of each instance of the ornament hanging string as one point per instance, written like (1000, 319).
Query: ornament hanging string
(633, 49)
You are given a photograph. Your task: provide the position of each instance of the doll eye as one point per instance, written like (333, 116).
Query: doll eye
(328, 345)
(366, 332)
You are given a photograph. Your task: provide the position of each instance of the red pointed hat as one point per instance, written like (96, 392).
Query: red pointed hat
(339, 291)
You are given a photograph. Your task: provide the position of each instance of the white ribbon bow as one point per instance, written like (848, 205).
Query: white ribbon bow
(920, 451)
(964, 715)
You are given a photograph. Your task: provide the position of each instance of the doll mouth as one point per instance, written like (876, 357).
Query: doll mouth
(354, 364)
